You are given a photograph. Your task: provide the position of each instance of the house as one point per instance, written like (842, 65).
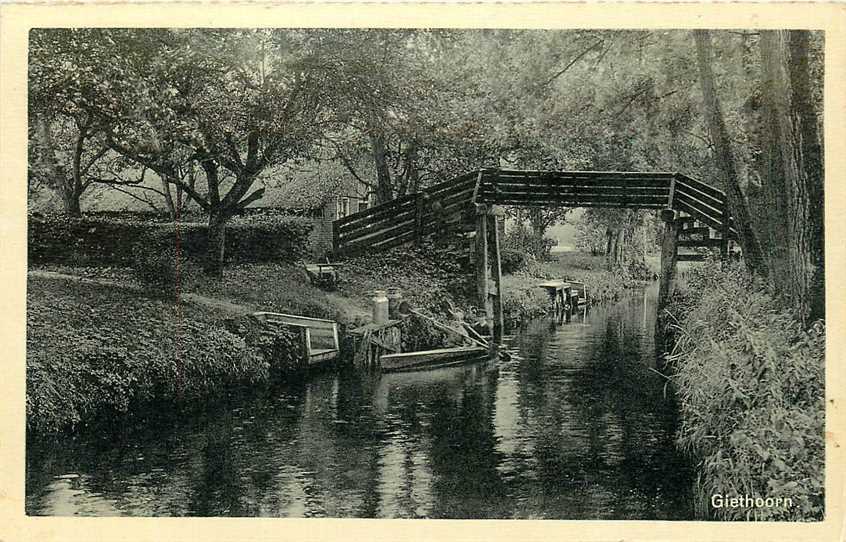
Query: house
(321, 200)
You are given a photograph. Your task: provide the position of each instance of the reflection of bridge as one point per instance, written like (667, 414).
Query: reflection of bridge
(695, 214)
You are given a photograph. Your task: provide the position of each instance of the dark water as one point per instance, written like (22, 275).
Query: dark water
(575, 426)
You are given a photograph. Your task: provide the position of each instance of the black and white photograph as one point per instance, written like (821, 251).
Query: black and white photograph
(417, 272)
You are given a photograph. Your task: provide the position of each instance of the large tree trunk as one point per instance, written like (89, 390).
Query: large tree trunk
(216, 243)
(61, 181)
(725, 156)
(384, 188)
(794, 180)
(71, 203)
(172, 208)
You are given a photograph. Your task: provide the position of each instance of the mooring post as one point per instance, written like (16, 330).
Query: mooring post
(482, 272)
(494, 219)
(669, 254)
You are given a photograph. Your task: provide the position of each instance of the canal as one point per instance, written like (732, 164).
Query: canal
(573, 426)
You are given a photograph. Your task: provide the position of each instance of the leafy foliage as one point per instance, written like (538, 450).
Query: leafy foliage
(95, 352)
(750, 382)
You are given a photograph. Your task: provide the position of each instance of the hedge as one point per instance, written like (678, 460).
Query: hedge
(111, 241)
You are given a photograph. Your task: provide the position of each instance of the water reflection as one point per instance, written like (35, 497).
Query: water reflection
(573, 426)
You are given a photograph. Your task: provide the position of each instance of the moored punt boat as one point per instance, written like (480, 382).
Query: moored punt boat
(430, 359)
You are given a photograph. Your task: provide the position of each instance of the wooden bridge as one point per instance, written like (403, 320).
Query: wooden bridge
(695, 214)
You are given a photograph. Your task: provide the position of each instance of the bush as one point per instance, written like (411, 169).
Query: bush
(160, 267)
(95, 352)
(112, 241)
(513, 260)
(751, 387)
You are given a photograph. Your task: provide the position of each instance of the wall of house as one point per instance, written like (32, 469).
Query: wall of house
(320, 239)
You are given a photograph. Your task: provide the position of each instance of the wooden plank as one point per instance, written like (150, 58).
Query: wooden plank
(378, 209)
(478, 187)
(716, 202)
(672, 192)
(451, 188)
(294, 319)
(354, 249)
(614, 205)
(578, 189)
(701, 186)
(703, 243)
(669, 257)
(700, 207)
(466, 177)
(406, 220)
(376, 216)
(496, 272)
(481, 241)
(380, 235)
(574, 200)
(588, 173)
(690, 258)
(654, 184)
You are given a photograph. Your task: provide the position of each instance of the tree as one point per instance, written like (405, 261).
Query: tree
(724, 156)
(66, 146)
(793, 181)
(235, 102)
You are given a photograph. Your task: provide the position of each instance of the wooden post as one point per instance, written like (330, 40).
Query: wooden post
(724, 246)
(482, 263)
(419, 203)
(336, 239)
(496, 271)
(669, 253)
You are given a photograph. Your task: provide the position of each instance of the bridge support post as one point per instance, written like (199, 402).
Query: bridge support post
(726, 234)
(489, 268)
(669, 254)
(494, 221)
(482, 273)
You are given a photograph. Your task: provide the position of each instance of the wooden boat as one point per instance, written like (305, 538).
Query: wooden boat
(318, 337)
(431, 359)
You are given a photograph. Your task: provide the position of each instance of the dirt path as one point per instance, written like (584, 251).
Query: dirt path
(195, 299)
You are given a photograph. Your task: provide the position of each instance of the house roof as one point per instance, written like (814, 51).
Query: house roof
(308, 191)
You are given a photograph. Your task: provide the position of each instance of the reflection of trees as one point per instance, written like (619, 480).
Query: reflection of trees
(464, 456)
(601, 427)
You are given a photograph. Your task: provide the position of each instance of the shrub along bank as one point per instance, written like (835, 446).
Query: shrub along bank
(95, 352)
(750, 384)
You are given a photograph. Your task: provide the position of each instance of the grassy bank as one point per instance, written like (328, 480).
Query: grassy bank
(523, 298)
(97, 351)
(750, 383)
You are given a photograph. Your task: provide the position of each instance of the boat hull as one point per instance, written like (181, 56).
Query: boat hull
(431, 359)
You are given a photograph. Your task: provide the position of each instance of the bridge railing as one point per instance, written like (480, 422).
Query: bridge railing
(403, 219)
(409, 217)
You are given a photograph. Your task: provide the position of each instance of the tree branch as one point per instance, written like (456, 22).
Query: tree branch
(573, 62)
